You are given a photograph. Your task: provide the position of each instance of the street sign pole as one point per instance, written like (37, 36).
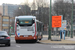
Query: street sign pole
(49, 37)
(10, 30)
(56, 22)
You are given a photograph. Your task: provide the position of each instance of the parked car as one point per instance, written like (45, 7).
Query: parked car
(4, 38)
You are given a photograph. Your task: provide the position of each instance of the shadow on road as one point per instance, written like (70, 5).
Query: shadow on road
(3, 45)
(27, 42)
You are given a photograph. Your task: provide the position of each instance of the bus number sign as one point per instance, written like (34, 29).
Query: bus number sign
(26, 21)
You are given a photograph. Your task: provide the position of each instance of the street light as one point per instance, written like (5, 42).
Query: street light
(21, 10)
(19, 7)
(49, 37)
(72, 21)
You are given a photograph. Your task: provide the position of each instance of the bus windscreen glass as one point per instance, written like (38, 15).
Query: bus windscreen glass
(25, 21)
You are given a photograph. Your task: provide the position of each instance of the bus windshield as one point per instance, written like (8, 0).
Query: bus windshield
(25, 21)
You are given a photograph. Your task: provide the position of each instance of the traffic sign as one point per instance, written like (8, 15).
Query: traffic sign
(63, 27)
(18, 34)
(11, 27)
(56, 21)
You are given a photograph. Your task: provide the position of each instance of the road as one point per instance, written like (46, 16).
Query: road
(35, 46)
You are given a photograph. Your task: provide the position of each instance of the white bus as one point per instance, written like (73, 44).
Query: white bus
(28, 28)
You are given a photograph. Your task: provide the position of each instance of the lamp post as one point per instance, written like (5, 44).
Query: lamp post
(72, 21)
(49, 37)
(21, 10)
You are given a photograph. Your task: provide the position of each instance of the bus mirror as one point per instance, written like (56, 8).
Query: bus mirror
(17, 22)
(33, 21)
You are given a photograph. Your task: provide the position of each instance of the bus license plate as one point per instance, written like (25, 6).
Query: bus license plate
(25, 35)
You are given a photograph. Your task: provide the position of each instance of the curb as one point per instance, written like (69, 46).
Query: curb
(12, 36)
(57, 43)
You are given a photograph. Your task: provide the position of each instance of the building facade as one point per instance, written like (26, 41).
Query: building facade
(4, 23)
(0, 22)
(8, 9)
(1, 9)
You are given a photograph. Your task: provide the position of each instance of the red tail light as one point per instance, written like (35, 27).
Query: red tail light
(7, 37)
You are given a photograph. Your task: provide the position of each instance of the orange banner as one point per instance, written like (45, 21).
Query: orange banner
(56, 21)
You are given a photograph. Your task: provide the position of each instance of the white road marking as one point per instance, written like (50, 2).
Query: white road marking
(18, 46)
(64, 46)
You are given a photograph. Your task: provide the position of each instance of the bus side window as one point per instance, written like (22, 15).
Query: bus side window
(37, 26)
(40, 26)
(43, 27)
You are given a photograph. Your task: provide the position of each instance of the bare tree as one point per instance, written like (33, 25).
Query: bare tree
(42, 12)
(22, 10)
(62, 8)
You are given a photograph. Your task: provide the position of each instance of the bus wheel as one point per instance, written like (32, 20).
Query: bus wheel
(35, 41)
(41, 38)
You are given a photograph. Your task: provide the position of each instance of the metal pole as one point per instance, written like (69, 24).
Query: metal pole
(9, 26)
(68, 33)
(49, 37)
(72, 21)
(10, 31)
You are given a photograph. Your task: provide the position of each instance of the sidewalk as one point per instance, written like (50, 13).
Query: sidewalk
(67, 41)
(12, 36)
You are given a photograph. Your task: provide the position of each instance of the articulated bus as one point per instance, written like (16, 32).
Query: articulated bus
(27, 28)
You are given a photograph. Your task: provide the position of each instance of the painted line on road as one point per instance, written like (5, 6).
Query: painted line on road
(18, 46)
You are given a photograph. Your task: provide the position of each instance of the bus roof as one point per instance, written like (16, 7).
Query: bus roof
(25, 17)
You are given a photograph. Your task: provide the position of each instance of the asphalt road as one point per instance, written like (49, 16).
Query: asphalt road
(35, 46)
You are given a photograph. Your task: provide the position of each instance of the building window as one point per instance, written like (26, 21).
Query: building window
(6, 20)
(5, 25)
(5, 29)
(10, 20)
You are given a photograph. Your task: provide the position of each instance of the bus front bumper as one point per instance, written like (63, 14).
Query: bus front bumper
(26, 38)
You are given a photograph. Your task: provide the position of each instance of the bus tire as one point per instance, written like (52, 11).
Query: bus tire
(41, 38)
(35, 41)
